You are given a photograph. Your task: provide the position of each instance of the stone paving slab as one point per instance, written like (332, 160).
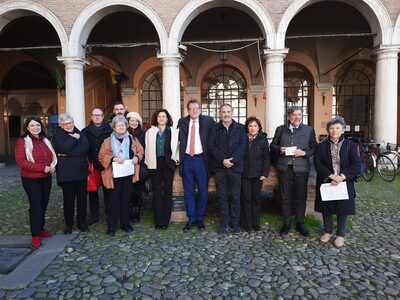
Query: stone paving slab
(15, 241)
(30, 268)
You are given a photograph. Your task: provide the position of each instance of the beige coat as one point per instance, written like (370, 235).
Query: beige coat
(106, 157)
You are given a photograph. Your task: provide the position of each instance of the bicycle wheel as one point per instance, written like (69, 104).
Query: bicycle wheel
(386, 168)
(369, 170)
(394, 157)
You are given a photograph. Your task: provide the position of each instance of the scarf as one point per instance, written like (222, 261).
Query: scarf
(120, 149)
(29, 148)
(335, 153)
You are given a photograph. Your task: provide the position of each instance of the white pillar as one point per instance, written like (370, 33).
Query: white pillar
(385, 103)
(274, 105)
(171, 85)
(75, 89)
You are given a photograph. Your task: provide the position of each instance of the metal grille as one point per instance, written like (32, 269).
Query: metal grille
(353, 98)
(151, 94)
(297, 89)
(224, 84)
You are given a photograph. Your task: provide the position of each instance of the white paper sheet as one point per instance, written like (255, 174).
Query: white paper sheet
(122, 170)
(331, 192)
(289, 151)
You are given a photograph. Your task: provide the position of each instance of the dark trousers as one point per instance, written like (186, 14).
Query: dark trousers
(38, 191)
(294, 191)
(161, 182)
(74, 190)
(341, 223)
(228, 183)
(94, 202)
(251, 200)
(194, 171)
(118, 204)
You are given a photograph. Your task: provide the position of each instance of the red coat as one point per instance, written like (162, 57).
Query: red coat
(41, 154)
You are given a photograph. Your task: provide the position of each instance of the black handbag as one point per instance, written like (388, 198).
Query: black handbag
(143, 172)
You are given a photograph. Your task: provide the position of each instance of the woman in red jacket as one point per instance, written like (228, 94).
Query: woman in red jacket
(37, 160)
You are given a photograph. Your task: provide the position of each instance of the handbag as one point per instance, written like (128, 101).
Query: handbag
(94, 180)
(143, 172)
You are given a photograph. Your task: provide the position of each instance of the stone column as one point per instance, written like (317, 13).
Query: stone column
(274, 105)
(385, 103)
(75, 89)
(171, 85)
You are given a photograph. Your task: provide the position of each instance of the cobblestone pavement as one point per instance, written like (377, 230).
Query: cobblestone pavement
(168, 264)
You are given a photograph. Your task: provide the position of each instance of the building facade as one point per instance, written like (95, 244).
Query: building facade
(330, 57)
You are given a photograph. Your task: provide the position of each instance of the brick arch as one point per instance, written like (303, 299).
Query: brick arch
(373, 10)
(89, 17)
(192, 9)
(12, 10)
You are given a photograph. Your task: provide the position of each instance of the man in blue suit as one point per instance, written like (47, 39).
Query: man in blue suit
(194, 162)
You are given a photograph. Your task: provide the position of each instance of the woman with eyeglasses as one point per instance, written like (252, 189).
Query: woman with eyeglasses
(118, 149)
(72, 148)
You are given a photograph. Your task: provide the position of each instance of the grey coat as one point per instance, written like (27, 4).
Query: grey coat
(303, 139)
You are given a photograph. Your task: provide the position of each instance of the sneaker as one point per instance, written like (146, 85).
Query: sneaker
(339, 242)
(223, 228)
(236, 228)
(325, 237)
(45, 233)
(36, 242)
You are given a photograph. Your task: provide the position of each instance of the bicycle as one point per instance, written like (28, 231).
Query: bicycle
(373, 159)
(393, 152)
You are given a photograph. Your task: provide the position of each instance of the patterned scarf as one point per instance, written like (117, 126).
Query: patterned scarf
(335, 153)
(29, 149)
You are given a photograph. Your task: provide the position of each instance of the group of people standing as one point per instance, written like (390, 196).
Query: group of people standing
(238, 155)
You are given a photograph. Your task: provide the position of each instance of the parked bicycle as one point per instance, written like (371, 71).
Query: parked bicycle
(374, 160)
(393, 152)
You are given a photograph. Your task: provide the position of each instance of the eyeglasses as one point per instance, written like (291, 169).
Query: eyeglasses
(96, 115)
(67, 124)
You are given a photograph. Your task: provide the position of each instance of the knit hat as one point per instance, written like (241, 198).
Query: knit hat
(136, 116)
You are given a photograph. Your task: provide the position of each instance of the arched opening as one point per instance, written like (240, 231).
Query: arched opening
(298, 90)
(224, 84)
(353, 98)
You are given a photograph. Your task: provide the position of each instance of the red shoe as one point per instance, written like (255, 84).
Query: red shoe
(36, 241)
(46, 234)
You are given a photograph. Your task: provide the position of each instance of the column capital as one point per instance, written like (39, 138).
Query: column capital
(387, 51)
(170, 59)
(73, 62)
(275, 54)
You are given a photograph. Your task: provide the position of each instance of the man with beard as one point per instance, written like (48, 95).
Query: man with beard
(293, 143)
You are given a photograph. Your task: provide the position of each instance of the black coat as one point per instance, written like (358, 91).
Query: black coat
(350, 164)
(205, 123)
(95, 140)
(72, 161)
(256, 158)
(140, 134)
(226, 144)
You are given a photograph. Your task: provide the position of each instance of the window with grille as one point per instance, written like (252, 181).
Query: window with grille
(224, 84)
(152, 95)
(297, 89)
(353, 98)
